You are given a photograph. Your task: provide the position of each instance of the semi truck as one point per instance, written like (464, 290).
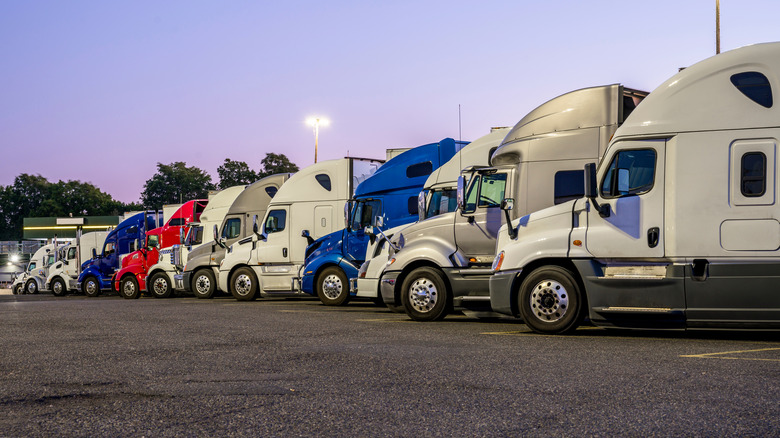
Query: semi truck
(171, 260)
(32, 280)
(97, 273)
(308, 206)
(680, 225)
(201, 269)
(438, 196)
(130, 280)
(392, 193)
(444, 262)
(63, 275)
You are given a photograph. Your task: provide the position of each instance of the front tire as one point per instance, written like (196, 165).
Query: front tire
(550, 301)
(18, 289)
(425, 296)
(204, 284)
(31, 287)
(332, 287)
(160, 285)
(128, 288)
(58, 288)
(243, 284)
(91, 287)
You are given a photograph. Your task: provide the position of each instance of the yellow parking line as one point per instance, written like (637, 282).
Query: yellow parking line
(383, 320)
(721, 355)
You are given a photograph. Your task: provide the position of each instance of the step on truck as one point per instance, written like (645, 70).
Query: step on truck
(97, 274)
(130, 279)
(391, 193)
(63, 275)
(438, 196)
(445, 261)
(171, 260)
(308, 206)
(201, 269)
(680, 226)
(33, 279)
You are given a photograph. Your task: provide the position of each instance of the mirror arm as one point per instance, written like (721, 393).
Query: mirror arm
(603, 210)
(512, 231)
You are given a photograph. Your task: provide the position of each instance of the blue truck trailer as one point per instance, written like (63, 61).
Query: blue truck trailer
(391, 193)
(128, 236)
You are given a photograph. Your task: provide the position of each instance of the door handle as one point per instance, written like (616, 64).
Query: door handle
(284, 252)
(652, 237)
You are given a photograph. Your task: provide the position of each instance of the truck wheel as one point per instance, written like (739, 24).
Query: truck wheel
(31, 287)
(332, 287)
(90, 287)
(550, 300)
(424, 295)
(58, 288)
(128, 288)
(18, 289)
(243, 284)
(160, 285)
(204, 284)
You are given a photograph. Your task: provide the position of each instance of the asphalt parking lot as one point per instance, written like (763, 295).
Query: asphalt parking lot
(75, 366)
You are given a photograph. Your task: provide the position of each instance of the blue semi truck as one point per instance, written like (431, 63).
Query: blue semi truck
(390, 193)
(97, 273)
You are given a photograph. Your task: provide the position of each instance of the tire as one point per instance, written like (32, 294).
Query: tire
(128, 288)
(91, 287)
(18, 289)
(31, 287)
(204, 284)
(425, 296)
(550, 301)
(243, 284)
(159, 285)
(58, 287)
(332, 287)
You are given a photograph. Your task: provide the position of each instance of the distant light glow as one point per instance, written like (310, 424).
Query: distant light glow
(14, 258)
(317, 121)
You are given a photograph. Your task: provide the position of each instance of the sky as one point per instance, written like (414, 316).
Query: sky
(101, 91)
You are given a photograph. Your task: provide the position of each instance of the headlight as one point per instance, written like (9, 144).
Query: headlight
(390, 262)
(498, 261)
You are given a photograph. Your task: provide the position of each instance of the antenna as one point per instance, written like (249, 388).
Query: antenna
(717, 27)
(460, 136)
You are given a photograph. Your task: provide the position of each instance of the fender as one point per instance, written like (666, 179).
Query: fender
(430, 240)
(313, 270)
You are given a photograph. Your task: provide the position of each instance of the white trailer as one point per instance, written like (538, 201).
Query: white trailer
(308, 206)
(680, 226)
(63, 275)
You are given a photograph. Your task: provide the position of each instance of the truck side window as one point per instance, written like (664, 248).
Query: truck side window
(753, 182)
(755, 86)
(442, 201)
(569, 184)
(32, 266)
(71, 253)
(364, 213)
(472, 195)
(271, 191)
(631, 172)
(411, 205)
(177, 222)
(492, 191)
(109, 248)
(420, 169)
(324, 180)
(276, 221)
(232, 228)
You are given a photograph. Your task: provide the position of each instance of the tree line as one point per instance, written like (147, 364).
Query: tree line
(35, 196)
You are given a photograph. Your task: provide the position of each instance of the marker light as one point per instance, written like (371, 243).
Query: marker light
(498, 261)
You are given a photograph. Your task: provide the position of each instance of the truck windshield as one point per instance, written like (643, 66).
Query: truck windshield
(364, 212)
(441, 201)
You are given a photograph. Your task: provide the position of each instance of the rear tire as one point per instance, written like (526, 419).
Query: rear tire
(91, 287)
(128, 288)
(550, 301)
(159, 285)
(243, 284)
(58, 287)
(31, 287)
(425, 296)
(204, 284)
(332, 287)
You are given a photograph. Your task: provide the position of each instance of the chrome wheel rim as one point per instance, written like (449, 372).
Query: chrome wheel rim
(549, 301)
(243, 284)
(31, 288)
(332, 286)
(423, 295)
(91, 287)
(202, 284)
(129, 288)
(57, 287)
(160, 286)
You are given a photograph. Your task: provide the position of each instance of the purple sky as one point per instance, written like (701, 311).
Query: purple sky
(101, 91)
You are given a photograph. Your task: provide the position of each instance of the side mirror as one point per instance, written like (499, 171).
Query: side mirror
(183, 236)
(347, 208)
(216, 233)
(508, 204)
(255, 228)
(421, 205)
(94, 253)
(309, 239)
(379, 221)
(370, 233)
(591, 190)
(461, 193)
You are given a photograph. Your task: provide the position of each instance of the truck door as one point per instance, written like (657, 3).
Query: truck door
(274, 253)
(476, 227)
(362, 216)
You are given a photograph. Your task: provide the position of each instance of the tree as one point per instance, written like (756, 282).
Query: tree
(276, 163)
(174, 183)
(233, 173)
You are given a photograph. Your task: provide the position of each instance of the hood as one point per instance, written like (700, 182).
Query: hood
(323, 245)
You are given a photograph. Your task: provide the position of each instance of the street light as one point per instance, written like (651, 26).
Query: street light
(317, 122)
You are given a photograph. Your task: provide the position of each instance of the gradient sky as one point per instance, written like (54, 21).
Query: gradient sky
(100, 91)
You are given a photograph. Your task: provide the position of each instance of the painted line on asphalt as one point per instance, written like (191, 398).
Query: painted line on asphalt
(721, 355)
(529, 332)
(384, 320)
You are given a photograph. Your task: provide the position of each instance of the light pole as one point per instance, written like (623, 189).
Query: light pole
(316, 122)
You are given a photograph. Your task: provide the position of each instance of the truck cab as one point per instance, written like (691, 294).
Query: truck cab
(445, 261)
(32, 280)
(679, 228)
(391, 193)
(308, 206)
(63, 275)
(201, 269)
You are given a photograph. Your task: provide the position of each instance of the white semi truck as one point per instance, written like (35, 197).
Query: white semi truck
(32, 280)
(63, 275)
(680, 226)
(308, 206)
(444, 262)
